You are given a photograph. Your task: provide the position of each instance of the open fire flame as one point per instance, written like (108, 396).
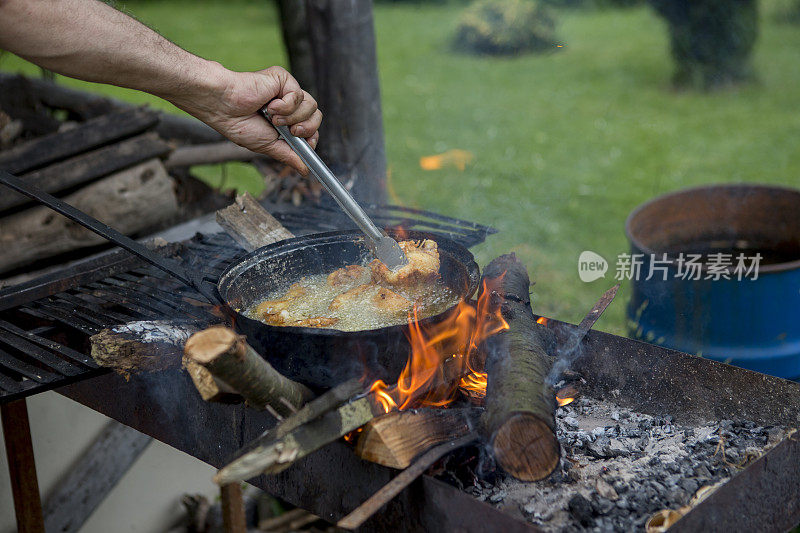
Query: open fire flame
(445, 358)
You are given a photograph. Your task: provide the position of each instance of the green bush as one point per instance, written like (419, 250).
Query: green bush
(711, 40)
(505, 27)
(787, 11)
(594, 4)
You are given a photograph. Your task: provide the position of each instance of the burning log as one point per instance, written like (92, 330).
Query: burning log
(396, 438)
(519, 421)
(230, 359)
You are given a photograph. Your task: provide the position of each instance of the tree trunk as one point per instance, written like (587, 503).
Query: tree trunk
(519, 421)
(294, 27)
(346, 74)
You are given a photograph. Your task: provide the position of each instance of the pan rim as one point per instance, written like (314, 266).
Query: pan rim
(315, 239)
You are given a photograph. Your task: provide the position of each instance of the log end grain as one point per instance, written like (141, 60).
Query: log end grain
(206, 346)
(526, 447)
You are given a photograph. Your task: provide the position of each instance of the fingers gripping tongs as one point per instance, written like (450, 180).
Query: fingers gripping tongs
(384, 247)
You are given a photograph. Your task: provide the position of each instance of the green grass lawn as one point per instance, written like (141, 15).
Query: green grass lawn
(565, 144)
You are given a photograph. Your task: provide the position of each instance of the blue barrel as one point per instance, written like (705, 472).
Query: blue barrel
(752, 322)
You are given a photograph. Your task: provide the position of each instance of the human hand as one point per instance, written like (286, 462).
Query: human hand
(232, 109)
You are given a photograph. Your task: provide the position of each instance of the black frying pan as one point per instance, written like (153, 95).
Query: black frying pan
(317, 357)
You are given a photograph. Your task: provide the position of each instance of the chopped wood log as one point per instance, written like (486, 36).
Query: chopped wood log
(396, 438)
(210, 388)
(250, 225)
(88, 167)
(342, 38)
(88, 105)
(209, 154)
(131, 201)
(317, 407)
(519, 421)
(93, 133)
(141, 346)
(231, 360)
(281, 447)
(362, 513)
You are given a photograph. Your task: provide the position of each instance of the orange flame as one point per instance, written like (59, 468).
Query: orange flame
(564, 401)
(444, 357)
(542, 320)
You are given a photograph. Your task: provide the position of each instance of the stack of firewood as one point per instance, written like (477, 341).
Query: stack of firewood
(124, 165)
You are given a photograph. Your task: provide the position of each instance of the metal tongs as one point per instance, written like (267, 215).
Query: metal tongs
(384, 247)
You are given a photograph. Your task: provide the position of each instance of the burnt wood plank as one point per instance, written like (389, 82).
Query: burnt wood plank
(89, 105)
(90, 479)
(96, 132)
(22, 467)
(89, 166)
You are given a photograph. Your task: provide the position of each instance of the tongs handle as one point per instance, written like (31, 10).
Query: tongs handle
(328, 180)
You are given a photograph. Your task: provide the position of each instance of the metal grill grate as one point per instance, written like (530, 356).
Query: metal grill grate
(45, 324)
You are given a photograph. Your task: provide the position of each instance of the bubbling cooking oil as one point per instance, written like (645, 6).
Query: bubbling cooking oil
(358, 314)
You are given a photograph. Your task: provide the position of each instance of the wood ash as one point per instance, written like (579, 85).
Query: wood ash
(618, 467)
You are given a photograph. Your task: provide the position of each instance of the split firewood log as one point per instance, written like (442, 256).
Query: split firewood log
(396, 438)
(519, 421)
(230, 359)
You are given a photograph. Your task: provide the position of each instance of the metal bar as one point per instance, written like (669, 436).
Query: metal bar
(132, 297)
(22, 467)
(42, 355)
(60, 367)
(76, 314)
(39, 311)
(10, 385)
(81, 312)
(102, 293)
(150, 293)
(233, 516)
(47, 285)
(47, 343)
(95, 307)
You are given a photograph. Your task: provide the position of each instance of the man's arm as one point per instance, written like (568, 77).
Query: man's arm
(89, 40)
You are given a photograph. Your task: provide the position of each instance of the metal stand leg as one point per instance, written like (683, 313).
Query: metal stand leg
(22, 467)
(233, 517)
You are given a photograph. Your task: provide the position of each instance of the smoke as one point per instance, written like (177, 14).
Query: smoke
(569, 350)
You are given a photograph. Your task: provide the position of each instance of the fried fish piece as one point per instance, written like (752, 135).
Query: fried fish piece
(282, 304)
(380, 298)
(315, 322)
(423, 265)
(345, 275)
(285, 318)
